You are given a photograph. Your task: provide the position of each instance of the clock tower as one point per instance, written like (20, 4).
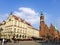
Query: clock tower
(42, 25)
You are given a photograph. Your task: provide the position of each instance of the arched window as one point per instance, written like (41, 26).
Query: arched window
(17, 35)
(20, 36)
(23, 36)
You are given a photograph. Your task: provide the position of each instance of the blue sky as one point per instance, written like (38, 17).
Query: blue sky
(50, 8)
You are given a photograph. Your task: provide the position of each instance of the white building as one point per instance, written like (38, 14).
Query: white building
(18, 28)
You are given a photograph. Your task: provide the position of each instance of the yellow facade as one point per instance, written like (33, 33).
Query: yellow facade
(15, 26)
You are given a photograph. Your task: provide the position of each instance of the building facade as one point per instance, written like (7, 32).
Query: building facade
(15, 27)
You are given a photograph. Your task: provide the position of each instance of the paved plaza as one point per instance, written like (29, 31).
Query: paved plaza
(29, 43)
(22, 43)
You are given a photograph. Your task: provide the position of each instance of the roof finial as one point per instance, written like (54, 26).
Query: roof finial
(11, 13)
(41, 13)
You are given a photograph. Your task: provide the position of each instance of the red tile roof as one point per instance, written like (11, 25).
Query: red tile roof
(15, 17)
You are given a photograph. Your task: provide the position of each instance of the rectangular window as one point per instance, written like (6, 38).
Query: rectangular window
(14, 29)
(15, 22)
(18, 31)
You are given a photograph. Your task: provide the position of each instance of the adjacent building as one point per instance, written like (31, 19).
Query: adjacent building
(47, 32)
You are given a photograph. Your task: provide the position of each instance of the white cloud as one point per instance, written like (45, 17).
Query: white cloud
(28, 14)
(27, 10)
